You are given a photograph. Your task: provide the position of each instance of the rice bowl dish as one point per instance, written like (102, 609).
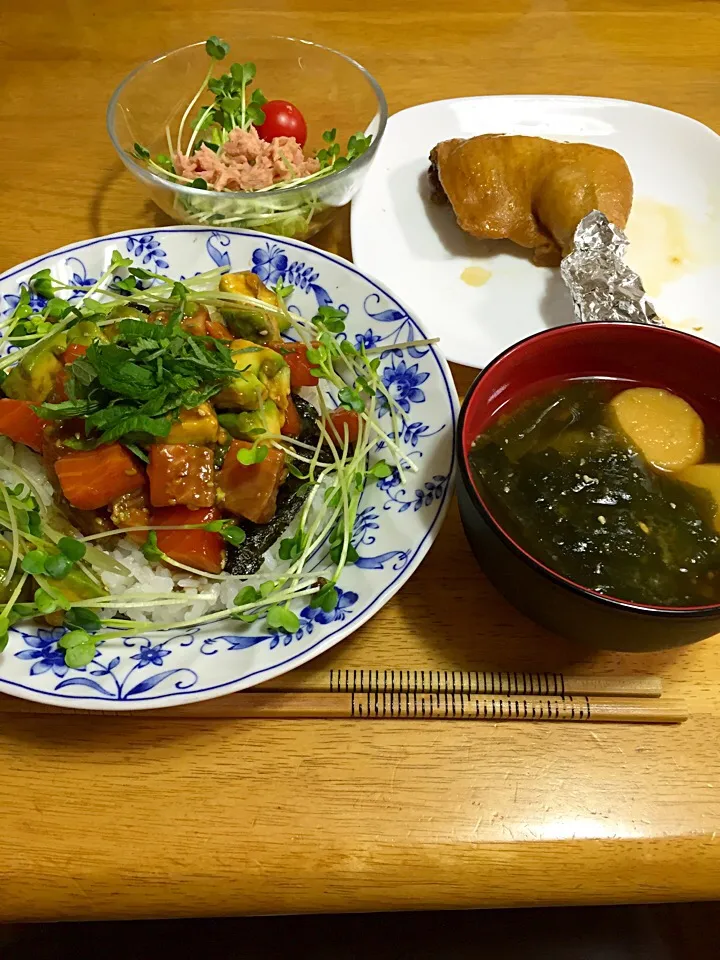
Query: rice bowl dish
(300, 577)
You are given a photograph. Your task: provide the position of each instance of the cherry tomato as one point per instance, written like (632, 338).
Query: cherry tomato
(295, 355)
(282, 119)
(73, 351)
(59, 394)
(345, 422)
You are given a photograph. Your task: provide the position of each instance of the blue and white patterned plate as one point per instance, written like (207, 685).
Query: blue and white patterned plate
(396, 523)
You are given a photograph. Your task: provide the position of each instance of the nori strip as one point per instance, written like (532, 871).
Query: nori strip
(310, 432)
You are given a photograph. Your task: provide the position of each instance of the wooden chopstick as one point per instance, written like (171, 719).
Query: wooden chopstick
(492, 682)
(378, 706)
(346, 706)
(293, 705)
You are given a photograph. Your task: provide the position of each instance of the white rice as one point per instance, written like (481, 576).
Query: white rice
(30, 463)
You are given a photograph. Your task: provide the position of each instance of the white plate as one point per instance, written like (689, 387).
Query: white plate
(417, 247)
(396, 522)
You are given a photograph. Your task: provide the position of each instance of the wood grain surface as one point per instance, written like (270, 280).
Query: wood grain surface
(134, 816)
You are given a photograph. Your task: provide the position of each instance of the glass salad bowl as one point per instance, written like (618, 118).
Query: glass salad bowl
(333, 92)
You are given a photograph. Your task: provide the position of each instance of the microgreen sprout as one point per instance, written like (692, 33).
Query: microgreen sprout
(229, 531)
(140, 152)
(280, 617)
(58, 566)
(246, 598)
(48, 603)
(79, 647)
(41, 283)
(379, 471)
(326, 598)
(82, 618)
(284, 290)
(233, 534)
(73, 549)
(34, 562)
(150, 548)
(216, 48)
(255, 454)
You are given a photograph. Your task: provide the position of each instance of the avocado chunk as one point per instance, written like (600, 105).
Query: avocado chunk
(265, 375)
(259, 325)
(34, 376)
(76, 584)
(253, 423)
(123, 311)
(85, 332)
(197, 425)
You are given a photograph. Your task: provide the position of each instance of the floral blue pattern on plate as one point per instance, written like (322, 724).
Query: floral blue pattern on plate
(395, 526)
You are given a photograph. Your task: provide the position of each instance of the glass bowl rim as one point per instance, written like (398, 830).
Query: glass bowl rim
(153, 179)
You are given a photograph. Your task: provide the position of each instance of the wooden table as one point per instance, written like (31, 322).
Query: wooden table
(140, 816)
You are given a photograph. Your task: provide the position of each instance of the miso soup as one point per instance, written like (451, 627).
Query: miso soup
(611, 486)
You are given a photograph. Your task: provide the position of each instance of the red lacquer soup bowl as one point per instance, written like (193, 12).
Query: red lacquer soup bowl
(652, 356)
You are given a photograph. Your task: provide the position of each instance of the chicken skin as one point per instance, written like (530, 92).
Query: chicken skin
(529, 190)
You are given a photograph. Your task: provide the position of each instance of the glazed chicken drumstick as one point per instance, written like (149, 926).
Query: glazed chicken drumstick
(529, 190)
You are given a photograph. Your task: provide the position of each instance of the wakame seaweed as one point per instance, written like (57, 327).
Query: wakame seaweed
(571, 489)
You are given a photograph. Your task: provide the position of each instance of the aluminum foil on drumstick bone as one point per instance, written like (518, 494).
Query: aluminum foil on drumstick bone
(602, 285)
